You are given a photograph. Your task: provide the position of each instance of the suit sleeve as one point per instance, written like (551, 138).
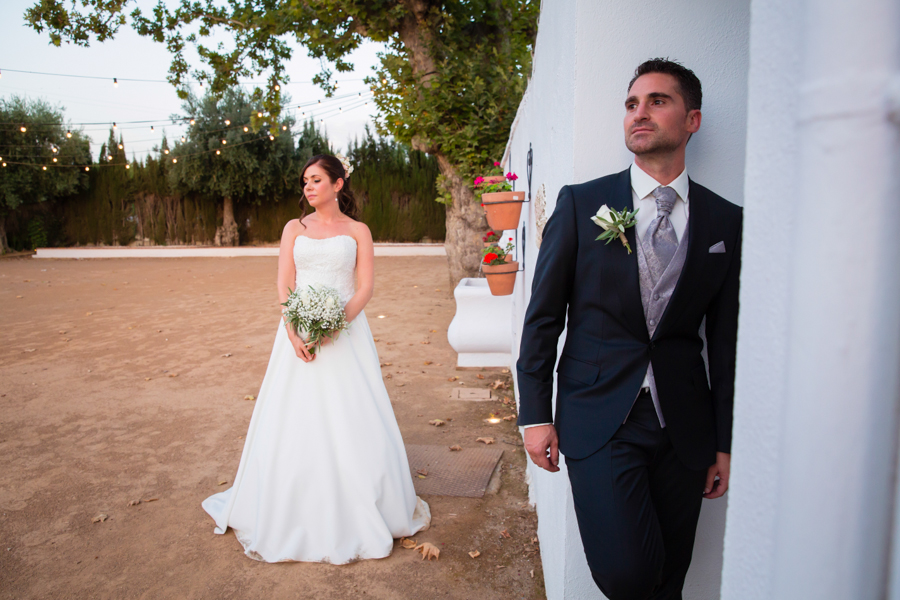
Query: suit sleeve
(546, 314)
(721, 339)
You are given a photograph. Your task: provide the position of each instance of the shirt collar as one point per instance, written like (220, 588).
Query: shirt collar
(643, 185)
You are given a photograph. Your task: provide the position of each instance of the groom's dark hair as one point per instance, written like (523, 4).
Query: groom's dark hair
(688, 83)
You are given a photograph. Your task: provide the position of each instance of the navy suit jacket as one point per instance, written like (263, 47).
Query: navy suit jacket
(608, 347)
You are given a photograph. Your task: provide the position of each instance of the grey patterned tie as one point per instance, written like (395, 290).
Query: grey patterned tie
(660, 242)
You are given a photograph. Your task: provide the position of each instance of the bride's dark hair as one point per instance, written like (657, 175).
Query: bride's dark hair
(335, 170)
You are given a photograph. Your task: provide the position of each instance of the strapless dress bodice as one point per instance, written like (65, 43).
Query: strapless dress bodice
(329, 262)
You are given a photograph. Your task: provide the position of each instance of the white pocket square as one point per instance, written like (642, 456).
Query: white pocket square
(718, 248)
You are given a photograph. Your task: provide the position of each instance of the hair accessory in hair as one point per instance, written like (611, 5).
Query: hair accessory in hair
(348, 168)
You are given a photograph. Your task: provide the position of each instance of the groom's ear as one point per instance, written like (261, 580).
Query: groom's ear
(693, 119)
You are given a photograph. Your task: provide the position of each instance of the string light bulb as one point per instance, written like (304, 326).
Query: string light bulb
(259, 114)
(246, 128)
(4, 164)
(201, 83)
(183, 139)
(115, 82)
(193, 122)
(23, 129)
(224, 142)
(127, 166)
(54, 159)
(151, 128)
(115, 126)
(272, 137)
(44, 167)
(87, 169)
(227, 122)
(109, 157)
(218, 152)
(174, 160)
(68, 134)
(165, 151)
(284, 127)
(277, 87)
(121, 147)
(55, 149)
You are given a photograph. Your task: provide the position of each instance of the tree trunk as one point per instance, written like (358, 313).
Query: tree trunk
(466, 225)
(227, 232)
(4, 245)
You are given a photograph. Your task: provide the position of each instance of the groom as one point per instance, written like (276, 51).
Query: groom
(646, 435)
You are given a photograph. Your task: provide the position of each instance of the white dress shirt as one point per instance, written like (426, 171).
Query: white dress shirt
(642, 186)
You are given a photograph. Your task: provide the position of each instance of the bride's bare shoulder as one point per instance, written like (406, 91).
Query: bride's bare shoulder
(361, 231)
(291, 229)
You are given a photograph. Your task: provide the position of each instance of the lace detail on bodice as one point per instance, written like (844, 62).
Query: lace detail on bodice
(328, 262)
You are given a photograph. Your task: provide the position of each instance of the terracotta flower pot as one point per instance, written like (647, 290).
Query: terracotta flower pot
(491, 179)
(503, 209)
(489, 244)
(501, 278)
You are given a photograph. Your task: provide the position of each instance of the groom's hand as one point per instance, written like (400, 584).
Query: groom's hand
(539, 441)
(716, 488)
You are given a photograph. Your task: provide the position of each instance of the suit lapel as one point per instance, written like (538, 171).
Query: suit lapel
(697, 254)
(621, 268)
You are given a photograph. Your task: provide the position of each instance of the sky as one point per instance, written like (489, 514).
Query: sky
(129, 56)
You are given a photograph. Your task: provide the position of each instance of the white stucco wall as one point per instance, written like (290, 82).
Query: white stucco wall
(585, 55)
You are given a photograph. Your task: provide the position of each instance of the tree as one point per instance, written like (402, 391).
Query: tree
(229, 152)
(41, 158)
(450, 80)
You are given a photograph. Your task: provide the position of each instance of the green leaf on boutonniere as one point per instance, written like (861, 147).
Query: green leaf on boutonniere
(614, 224)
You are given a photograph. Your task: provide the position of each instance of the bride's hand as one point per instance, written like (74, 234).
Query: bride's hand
(301, 348)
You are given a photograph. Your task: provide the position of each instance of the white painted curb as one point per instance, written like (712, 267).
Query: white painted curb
(218, 252)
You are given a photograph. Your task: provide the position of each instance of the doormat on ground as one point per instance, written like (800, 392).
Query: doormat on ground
(474, 395)
(439, 471)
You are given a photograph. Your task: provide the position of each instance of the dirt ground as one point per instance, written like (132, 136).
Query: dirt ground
(124, 379)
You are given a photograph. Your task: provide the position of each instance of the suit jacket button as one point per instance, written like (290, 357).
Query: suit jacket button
(652, 345)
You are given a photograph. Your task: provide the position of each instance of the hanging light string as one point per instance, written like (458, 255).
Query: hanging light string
(116, 80)
(185, 120)
(174, 160)
(329, 113)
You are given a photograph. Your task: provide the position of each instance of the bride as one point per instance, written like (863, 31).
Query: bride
(323, 476)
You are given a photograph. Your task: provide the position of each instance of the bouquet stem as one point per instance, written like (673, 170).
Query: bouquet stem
(625, 242)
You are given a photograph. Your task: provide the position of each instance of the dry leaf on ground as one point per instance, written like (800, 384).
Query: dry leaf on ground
(499, 384)
(422, 472)
(429, 551)
(532, 573)
(436, 422)
(249, 397)
(454, 378)
(456, 448)
(388, 376)
(486, 440)
(150, 499)
(480, 376)
(173, 374)
(134, 503)
(427, 362)
(223, 482)
(408, 543)
(504, 533)
(146, 379)
(226, 355)
(509, 418)
(424, 342)
(474, 553)
(30, 349)
(386, 364)
(100, 518)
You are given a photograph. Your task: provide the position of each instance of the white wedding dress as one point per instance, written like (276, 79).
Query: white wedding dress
(324, 475)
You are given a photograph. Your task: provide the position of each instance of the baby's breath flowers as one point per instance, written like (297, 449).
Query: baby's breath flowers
(315, 314)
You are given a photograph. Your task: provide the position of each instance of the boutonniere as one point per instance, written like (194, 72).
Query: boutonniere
(614, 224)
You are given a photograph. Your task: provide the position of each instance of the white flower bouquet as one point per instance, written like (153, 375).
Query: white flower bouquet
(315, 314)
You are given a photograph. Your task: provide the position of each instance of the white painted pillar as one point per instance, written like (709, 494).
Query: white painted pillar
(833, 485)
